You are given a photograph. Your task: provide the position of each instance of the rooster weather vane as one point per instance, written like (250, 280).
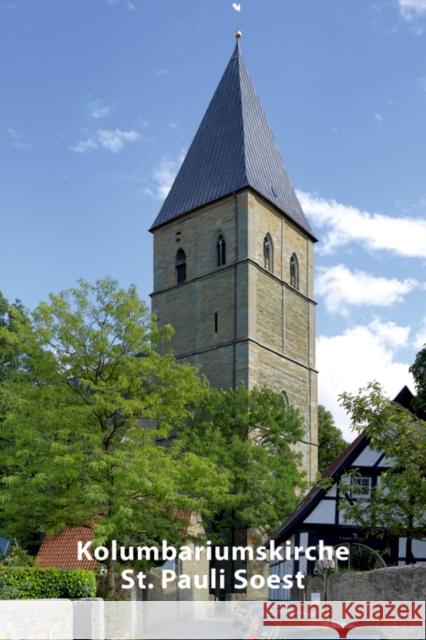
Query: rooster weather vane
(237, 8)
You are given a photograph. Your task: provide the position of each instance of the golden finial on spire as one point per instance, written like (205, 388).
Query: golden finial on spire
(237, 9)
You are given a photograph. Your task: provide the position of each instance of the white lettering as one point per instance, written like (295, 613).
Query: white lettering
(128, 579)
(167, 576)
(83, 551)
(101, 554)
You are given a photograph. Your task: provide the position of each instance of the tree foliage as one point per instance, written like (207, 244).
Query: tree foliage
(398, 503)
(99, 428)
(251, 435)
(418, 370)
(330, 439)
(12, 315)
(86, 409)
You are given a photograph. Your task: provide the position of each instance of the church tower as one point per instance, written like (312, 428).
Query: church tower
(233, 258)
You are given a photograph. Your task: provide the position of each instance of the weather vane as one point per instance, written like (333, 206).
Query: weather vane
(237, 8)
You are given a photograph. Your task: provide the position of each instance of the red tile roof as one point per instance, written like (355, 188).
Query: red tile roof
(185, 516)
(60, 550)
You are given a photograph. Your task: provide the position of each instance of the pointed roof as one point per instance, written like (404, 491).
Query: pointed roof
(233, 148)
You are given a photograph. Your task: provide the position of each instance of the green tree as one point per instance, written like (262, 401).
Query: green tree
(398, 503)
(418, 370)
(85, 414)
(12, 315)
(251, 435)
(330, 439)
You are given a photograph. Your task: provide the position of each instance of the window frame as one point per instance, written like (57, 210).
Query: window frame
(355, 486)
(180, 266)
(268, 253)
(220, 250)
(294, 272)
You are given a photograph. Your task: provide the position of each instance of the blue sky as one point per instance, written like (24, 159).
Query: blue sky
(100, 101)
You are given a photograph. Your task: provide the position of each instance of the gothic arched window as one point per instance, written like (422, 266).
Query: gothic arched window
(294, 271)
(268, 253)
(180, 266)
(220, 251)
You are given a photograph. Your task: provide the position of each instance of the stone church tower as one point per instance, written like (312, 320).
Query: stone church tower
(233, 258)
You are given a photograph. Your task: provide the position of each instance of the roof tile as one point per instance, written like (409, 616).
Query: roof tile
(60, 550)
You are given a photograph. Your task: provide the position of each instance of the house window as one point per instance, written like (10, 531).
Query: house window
(220, 251)
(358, 486)
(180, 266)
(294, 271)
(268, 253)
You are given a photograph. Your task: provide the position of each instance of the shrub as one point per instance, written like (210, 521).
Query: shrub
(22, 583)
(18, 558)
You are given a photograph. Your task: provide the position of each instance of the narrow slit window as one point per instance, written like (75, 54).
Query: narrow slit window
(180, 266)
(220, 251)
(268, 253)
(294, 271)
(216, 323)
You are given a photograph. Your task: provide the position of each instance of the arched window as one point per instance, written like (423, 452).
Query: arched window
(268, 253)
(180, 266)
(220, 251)
(294, 271)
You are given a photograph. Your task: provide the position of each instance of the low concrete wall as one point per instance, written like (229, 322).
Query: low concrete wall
(392, 583)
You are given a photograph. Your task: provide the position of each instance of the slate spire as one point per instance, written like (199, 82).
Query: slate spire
(234, 148)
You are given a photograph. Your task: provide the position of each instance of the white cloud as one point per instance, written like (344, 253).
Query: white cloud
(17, 142)
(359, 355)
(390, 333)
(161, 72)
(173, 125)
(164, 175)
(411, 8)
(403, 236)
(113, 140)
(131, 6)
(84, 146)
(98, 110)
(380, 119)
(420, 337)
(342, 288)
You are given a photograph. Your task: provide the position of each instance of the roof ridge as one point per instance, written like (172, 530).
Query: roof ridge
(237, 52)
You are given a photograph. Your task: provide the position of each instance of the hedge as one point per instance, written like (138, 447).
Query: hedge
(23, 583)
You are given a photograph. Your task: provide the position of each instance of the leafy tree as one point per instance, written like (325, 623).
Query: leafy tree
(398, 503)
(75, 449)
(418, 370)
(11, 316)
(252, 435)
(330, 440)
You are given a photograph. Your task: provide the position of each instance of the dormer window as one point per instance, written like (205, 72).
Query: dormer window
(294, 271)
(180, 266)
(220, 251)
(268, 253)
